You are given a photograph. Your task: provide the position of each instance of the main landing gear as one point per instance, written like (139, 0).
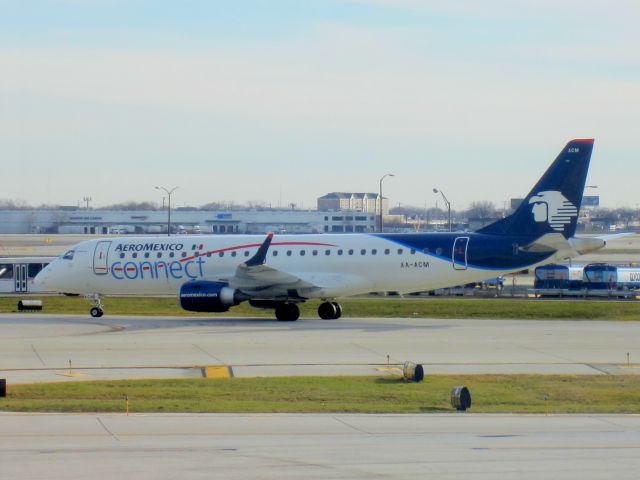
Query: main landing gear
(329, 311)
(98, 310)
(287, 312)
(290, 312)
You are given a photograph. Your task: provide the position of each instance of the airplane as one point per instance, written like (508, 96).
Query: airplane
(279, 272)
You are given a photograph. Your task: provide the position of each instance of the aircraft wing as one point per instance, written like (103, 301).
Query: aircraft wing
(255, 278)
(260, 277)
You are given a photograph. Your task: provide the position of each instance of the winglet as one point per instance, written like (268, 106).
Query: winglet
(261, 255)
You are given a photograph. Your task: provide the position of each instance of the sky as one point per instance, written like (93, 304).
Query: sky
(282, 101)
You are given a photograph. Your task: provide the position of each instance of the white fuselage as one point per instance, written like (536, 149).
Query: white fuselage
(337, 264)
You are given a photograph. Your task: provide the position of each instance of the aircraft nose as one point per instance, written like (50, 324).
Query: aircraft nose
(42, 278)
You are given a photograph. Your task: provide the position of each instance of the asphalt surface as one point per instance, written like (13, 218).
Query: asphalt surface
(39, 347)
(443, 446)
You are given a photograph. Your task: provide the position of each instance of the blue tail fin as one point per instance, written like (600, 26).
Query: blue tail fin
(553, 204)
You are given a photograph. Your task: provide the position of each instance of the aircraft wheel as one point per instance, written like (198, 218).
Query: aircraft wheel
(287, 312)
(327, 311)
(96, 312)
(338, 310)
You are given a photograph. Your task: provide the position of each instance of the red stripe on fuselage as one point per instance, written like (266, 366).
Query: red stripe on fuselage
(253, 245)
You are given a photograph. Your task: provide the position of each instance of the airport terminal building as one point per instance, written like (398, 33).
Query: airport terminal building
(78, 221)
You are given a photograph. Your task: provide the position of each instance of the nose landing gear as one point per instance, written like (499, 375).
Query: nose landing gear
(98, 310)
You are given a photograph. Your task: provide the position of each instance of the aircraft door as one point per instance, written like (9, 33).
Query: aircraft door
(100, 266)
(460, 253)
(20, 277)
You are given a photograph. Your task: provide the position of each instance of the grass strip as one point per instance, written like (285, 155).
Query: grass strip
(492, 308)
(490, 393)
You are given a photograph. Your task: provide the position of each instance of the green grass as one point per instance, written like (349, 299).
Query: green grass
(502, 308)
(490, 393)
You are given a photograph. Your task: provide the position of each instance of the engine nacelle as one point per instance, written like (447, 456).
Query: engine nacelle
(204, 296)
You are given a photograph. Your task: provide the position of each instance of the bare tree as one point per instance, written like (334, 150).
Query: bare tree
(129, 206)
(6, 204)
(481, 209)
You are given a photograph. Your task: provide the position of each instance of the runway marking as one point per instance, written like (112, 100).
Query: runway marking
(217, 371)
(323, 364)
(38, 355)
(601, 370)
(350, 426)
(207, 353)
(111, 434)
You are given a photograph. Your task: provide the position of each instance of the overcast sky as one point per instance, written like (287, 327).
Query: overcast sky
(284, 101)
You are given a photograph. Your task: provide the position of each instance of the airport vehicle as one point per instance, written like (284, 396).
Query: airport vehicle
(599, 276)
(214, 273)
(595, 279)
(17, 273)
(561, 278)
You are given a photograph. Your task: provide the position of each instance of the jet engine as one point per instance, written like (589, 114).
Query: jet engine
(205, 296)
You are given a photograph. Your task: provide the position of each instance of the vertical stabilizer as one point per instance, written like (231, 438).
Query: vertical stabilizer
(552, 206)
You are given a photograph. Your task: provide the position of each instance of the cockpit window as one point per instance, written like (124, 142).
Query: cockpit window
(68, 255)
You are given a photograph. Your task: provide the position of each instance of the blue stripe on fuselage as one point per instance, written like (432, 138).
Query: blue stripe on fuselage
(486, 252)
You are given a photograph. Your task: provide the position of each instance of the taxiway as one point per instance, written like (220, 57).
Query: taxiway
(39, 347)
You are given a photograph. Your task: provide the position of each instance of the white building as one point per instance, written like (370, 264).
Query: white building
(102, 222)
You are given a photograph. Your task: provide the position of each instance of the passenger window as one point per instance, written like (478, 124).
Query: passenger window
(302, 253)
(399, 251)
(327, 252)
(172, 254)
(413, 252)
(288, 253)
(426, 250)
(221, 254)
(146, 255)
(159, 254)
(233, 254)
(121, 254)
(135, 255)
(439, 251)
(339, 252)
(246, 253)
(208, 254)
(374, 251)
(275, 253)
(363, 252)
(314, 253)
(184, 254)
(350, 251)
(196, 254)
(386, 251)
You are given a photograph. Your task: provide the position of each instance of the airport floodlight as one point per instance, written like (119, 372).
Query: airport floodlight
(436, 191)
(168, 192)
(381, 179)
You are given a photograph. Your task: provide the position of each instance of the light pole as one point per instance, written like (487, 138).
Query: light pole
(168, 192)
(383, 177)
(435, 190)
